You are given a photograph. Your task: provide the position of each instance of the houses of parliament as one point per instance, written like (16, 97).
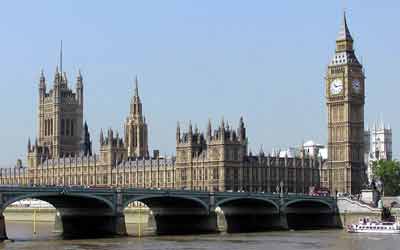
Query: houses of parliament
(217, 159)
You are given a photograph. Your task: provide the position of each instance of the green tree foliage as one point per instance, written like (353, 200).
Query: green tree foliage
(388, 172)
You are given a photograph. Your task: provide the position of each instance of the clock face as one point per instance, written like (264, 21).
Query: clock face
(336, 86)
(356, 86)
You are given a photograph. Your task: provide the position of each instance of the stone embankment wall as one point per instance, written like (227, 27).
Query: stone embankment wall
(350, 211)
(132, 215)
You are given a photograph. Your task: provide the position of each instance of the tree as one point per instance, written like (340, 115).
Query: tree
(388, 172)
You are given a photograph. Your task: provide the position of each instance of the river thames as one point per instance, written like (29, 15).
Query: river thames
(21, 235)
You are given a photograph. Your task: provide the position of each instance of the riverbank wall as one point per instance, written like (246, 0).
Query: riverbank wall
(350, 211)
(132, 215)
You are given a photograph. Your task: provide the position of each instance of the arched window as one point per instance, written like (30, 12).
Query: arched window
(72, 127)
(45, 127)
(67, 125)
(62, 126)
(51, 127)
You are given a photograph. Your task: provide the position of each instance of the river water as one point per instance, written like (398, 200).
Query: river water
(21, 233)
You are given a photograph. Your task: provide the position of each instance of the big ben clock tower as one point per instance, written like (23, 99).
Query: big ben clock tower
(345, 103)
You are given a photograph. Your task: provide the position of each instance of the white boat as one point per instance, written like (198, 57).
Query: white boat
(367, 226)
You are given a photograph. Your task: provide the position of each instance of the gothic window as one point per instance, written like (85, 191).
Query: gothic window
(67, 125)
(51, 126)
(134, 136)
(62, 126)
(236, 175)
(215, 173)
(183, 174)
(236, 154)
(45, 127)
(72, 127)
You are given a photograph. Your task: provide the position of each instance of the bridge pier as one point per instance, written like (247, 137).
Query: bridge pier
(58, 227)
(151, 223)
(283, 221)
(3, 233)
(119, 225)
(222, 224)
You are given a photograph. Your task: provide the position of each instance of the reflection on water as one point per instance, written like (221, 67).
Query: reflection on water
(288, 240)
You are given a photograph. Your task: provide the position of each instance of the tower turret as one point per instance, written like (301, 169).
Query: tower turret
(241, 130)
(222, 130)
(29, 145)
(79, 88)
(190, 131)
(136, 134)
(178, 133)
(209, 129)
(86, 143)
(42, 86)
(101, 137)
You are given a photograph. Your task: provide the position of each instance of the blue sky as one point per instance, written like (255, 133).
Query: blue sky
(264, 60)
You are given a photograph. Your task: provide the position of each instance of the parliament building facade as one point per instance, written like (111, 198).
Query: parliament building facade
(217, 159)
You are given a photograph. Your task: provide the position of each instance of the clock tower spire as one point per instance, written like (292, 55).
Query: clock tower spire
(345, 94)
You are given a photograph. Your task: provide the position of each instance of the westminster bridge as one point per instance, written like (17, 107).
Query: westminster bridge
(100, 211)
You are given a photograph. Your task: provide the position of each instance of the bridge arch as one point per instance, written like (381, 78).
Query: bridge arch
(309, 213)
(144, 198)
(231, 199)
(308, 201)
(174, 213)
(247, 214)
(78, 214)
(50, 196)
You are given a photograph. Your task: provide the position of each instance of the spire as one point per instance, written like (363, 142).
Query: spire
(79, 79)
(136, 87)
(101, 137)
(190, 128)
(42, 82)
(178, 131)
(42, 78)
(64, 78)
(29, 144)
(209, 129)
(57, 76)
(261, 151)
(79, 75)
(344, 33)
(61, 48)
(241, 123)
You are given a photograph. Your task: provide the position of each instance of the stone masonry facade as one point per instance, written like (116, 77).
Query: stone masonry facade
(214, 160)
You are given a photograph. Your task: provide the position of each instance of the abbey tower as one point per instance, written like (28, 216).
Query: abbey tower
(345, 94)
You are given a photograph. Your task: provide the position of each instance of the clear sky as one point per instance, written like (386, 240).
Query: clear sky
(264, 60)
